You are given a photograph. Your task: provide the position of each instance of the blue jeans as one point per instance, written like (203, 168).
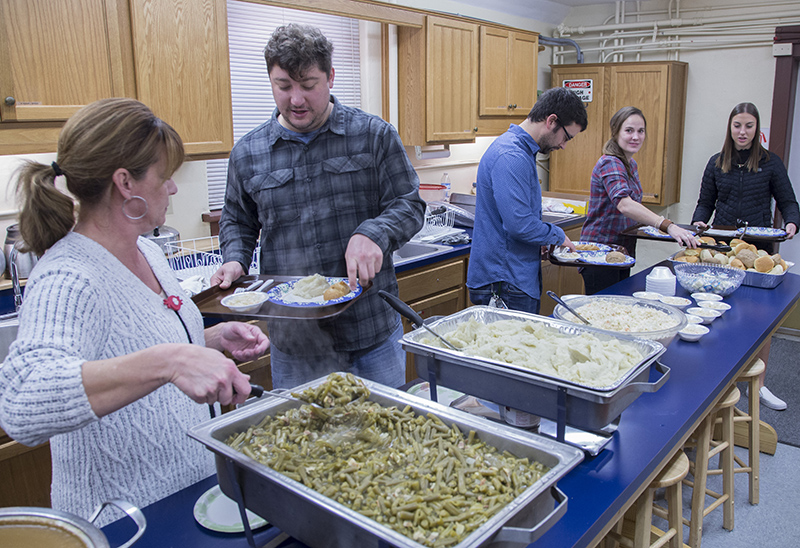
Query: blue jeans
(384, 363)
(514, 298)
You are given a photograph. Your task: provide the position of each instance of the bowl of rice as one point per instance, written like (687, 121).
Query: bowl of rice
(622, 314)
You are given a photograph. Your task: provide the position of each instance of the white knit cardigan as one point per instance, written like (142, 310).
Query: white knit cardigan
(82, 304)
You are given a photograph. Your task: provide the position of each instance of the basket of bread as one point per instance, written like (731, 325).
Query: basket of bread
(761, 269)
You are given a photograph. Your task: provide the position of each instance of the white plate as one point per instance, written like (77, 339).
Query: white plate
(280, 295)
(213, 510)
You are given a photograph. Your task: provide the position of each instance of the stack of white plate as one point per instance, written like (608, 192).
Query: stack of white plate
(661, 280)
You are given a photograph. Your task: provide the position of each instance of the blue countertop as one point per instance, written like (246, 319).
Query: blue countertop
(649, 430)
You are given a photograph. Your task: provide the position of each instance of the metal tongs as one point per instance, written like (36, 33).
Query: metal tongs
(560, 301)
(415, 318)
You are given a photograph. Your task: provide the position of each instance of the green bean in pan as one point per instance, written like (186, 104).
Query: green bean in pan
(413, 473)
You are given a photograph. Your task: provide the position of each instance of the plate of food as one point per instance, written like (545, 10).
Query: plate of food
(313, 291)
(213, 510)
(653, 231)
(614, 258)
(592, 246)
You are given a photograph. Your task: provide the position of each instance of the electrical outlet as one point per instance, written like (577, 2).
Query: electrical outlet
(779, 50)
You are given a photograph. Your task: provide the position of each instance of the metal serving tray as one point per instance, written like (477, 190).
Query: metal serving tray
(756, 279)
(581, 406)
(321, 522)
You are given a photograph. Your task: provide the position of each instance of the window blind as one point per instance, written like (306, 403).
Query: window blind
(249, 28)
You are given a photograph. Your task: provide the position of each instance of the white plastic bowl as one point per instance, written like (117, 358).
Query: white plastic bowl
(708, 314)
(691, 318)
(678, 302)
(245, 302)
(706, 297)
(649, 295)
(692, 332)
(719, 306)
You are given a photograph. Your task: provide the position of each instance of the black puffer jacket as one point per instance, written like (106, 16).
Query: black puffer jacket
(743, 195)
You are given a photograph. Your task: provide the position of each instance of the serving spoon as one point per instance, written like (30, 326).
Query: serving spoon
(415, 318)
(560, 301)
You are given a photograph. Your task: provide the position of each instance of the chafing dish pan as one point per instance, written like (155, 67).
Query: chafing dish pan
(321, 522)
(586, 407)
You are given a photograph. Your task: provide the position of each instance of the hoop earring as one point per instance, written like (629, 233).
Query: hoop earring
(127, 201)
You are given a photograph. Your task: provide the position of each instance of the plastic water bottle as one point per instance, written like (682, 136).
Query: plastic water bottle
(446, 183)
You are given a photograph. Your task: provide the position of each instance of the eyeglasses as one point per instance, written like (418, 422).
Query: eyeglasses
(566, 134)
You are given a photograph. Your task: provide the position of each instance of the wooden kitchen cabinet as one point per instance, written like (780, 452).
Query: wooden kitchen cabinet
(59, 55)
(562, 280)
(437, 82)
(507, 77)
(25, 473)
(659, 90)
(435, 290)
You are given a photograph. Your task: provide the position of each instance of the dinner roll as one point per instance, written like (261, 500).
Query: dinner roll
(777, 269)
(708, 240)
(706, 255)
(776, 259)
(740, 247)
(764, 264)
(615, 257)
(747, 256)
(736, 263)
(735, 242)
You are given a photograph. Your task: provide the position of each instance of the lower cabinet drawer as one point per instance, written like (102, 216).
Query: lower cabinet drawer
(429, 280)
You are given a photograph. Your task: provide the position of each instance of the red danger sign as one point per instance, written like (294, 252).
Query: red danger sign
(582, 88)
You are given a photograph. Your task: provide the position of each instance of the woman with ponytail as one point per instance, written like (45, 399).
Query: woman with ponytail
(615, 204)
(112, 364)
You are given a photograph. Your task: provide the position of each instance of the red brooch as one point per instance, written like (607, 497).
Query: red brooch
(173, 302)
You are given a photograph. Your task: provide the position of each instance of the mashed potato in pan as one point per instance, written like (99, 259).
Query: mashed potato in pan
(583, 359)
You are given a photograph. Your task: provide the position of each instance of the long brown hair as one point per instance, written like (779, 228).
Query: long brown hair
(612, 148)
(96, 141)
(725, 158)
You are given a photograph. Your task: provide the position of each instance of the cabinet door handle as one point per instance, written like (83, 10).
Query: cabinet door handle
(9, 101)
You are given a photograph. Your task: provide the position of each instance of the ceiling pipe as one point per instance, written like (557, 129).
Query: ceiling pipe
(547, 41)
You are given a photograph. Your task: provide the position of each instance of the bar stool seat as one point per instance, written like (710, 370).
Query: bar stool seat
(752, 419)
(642, 533)
(706, 448)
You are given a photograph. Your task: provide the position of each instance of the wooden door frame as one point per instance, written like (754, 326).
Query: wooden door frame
(784, 92)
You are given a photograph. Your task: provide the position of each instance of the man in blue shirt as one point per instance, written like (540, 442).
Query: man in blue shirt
(509, 232)
(330, 190)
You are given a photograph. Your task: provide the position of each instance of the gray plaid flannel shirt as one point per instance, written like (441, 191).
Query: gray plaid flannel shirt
(307, 200)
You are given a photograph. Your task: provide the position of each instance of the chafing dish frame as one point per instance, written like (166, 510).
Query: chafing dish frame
(321, 522)
(520, 388)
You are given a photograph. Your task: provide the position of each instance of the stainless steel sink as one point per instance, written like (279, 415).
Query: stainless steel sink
(8, 333)
(414, 250)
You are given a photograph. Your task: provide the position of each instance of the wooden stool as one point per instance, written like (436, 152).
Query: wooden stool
(752, 420)
(706, 448)
(643, 531)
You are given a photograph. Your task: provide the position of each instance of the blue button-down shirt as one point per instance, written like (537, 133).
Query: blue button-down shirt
(509, 232)
(307, 200)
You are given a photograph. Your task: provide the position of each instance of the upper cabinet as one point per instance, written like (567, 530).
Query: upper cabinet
(437, 82)
(658, 89)
(170, 54)
(508, 61)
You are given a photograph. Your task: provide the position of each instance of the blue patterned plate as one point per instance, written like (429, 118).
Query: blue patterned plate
(762, 231)
(281, 294)
(599, 257)
(653, 231)
(600, 247)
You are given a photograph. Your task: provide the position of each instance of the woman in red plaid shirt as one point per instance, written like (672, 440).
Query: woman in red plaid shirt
(616, 196)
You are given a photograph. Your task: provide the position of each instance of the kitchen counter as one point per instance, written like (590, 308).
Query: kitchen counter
(601, 487)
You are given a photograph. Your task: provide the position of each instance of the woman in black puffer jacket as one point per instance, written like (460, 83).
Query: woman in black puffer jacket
(740, 181)
(738, 186)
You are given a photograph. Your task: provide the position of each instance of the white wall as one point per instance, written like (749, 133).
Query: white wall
(718, 79)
